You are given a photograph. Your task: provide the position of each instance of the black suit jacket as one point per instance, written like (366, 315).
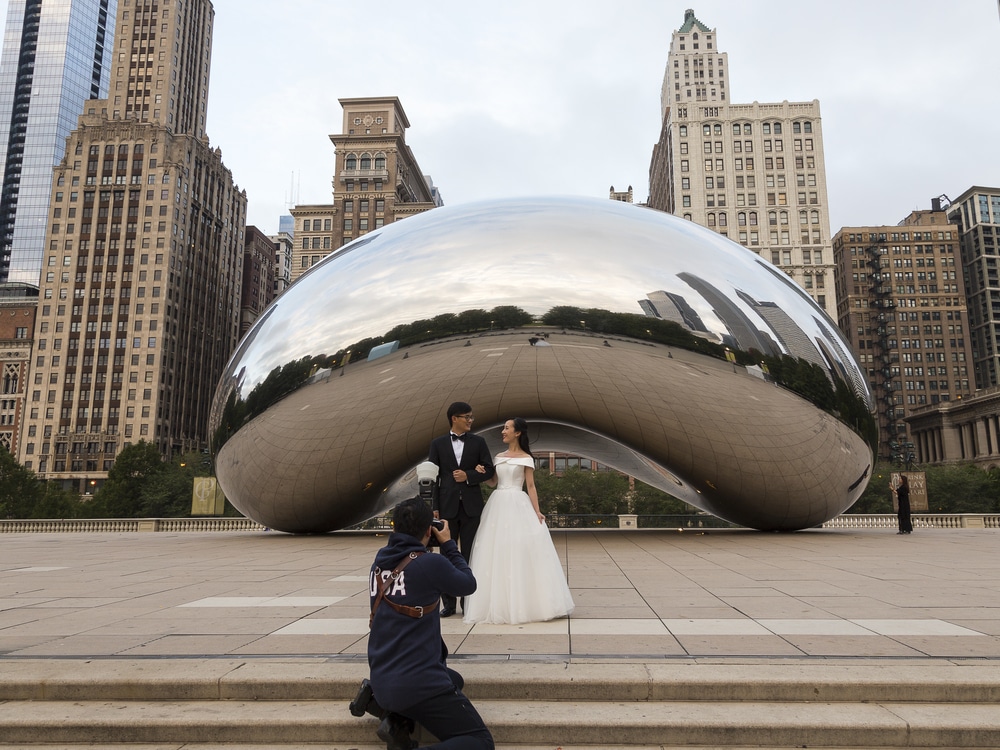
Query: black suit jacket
(451, 494)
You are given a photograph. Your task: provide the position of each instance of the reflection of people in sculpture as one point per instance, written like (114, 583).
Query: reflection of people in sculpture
(902, 491)
(406, 653)
(459, 498)
(519, 575)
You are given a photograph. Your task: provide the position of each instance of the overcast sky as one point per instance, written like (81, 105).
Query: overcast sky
(545, 97)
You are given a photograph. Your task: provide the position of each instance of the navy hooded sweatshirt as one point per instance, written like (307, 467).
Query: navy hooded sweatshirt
(406, 655)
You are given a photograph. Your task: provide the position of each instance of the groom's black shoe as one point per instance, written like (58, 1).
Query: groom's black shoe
(449, 611)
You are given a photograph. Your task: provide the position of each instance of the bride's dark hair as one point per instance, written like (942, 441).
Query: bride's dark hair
(521, 425)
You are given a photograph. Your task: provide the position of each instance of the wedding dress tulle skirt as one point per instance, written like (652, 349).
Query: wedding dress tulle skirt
(518, 573)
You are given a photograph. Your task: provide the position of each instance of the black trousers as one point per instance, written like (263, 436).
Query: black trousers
(463, 528)
(905, 522)
(453, 720)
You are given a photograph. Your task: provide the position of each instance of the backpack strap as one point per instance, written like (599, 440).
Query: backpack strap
(383, 592)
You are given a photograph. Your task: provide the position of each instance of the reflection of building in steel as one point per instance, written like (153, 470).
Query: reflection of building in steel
(670, 306)
(786, 330)
(743, 334)
(836, 357)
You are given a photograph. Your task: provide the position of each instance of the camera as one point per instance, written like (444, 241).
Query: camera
(427, 474)
(438, 524)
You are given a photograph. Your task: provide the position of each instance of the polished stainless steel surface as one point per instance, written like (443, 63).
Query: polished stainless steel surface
(622, 334)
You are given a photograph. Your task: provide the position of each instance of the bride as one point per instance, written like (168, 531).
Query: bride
(519, 575)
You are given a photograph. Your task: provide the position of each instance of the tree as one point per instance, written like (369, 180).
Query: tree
(167, 494)
(19, 488)
(650, 501)
(580, 491)
(23, 495)
(55, 502)
(955, 488)
(135, 467)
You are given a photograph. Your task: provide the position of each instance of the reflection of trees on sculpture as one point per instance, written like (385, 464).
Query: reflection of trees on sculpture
(280, 382)
(816, 384)
(807, 379)
(441, 326)
(633, 325)
(813, 383)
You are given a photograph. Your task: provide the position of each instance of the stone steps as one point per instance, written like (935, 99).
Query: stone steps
(174, 703)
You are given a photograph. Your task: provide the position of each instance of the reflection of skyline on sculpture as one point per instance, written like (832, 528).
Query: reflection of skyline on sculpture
(438, 282)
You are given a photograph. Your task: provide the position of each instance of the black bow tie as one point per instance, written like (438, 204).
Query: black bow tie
(458, 437)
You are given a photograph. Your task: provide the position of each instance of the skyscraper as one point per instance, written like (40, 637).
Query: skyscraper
(902, 306)
(142, 270)
(258, 276)
(752, 172)
(976, 212)
(56, 56)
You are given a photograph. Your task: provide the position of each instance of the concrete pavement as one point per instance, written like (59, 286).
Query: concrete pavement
(640, 595)
(726, 637)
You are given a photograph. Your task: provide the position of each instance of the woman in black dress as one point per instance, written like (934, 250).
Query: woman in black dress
(903, 505)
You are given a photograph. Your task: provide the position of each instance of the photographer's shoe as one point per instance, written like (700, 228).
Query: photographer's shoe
(394, 730)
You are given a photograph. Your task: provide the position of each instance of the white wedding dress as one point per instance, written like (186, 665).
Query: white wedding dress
(518, 573)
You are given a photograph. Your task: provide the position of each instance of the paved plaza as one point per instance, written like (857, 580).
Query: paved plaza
(640, 596)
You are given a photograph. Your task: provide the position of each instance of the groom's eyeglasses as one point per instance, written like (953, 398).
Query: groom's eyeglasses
(466, 417)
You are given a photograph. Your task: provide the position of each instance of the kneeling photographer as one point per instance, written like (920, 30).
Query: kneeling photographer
(406, 653)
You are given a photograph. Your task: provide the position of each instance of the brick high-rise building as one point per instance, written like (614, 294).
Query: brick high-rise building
(18, 306)
(901, 304)
(752, 172)
(376, 181)
(140, 288)
(259, 253)
(56, 56)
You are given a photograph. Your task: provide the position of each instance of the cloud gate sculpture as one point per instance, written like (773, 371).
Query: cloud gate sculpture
(622, 334)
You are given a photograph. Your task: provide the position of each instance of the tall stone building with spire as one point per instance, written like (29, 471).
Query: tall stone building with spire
(139, 294)
(752, 172)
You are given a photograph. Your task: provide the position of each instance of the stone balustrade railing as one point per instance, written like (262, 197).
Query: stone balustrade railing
(119, 525)
(381, 525)
(920, 520)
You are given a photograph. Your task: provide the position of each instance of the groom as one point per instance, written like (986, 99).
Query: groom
(459, 499)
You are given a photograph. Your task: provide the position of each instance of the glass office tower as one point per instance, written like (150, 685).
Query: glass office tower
(56, 56)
